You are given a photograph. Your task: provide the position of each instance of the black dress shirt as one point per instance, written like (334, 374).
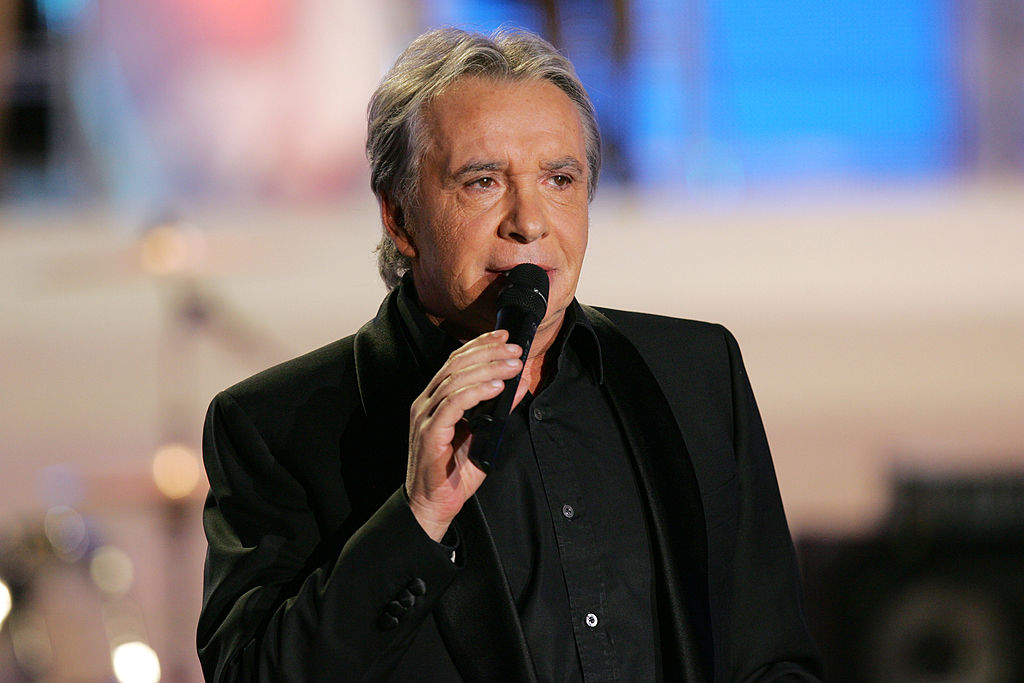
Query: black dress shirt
(563, 508)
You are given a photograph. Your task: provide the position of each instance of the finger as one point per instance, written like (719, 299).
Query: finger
(475, 384)
(434, 435)
(484, 348)
(501, 368)
(451, 408)
(478, 373)
(474, 356)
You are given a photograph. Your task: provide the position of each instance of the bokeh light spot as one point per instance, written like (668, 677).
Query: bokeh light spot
(135, 662)
(176, 470)
(66, 531)
(5, 602)
(111, 570)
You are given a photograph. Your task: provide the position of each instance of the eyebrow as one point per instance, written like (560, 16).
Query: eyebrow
(569, 162)
(472, 167)
(476, 167)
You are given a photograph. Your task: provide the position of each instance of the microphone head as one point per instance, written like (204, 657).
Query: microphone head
(526, 288)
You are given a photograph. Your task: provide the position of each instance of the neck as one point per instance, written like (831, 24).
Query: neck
(540, 363)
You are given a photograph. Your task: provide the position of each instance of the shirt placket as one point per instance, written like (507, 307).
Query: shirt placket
(574, 534)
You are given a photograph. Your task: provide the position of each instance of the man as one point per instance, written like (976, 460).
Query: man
(631, 528)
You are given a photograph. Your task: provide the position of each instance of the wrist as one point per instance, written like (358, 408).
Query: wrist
(434, 527)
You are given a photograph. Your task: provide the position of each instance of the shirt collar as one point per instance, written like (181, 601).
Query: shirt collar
(578, 333)
(431, 345)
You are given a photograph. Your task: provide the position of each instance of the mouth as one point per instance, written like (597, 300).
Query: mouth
(503, 270)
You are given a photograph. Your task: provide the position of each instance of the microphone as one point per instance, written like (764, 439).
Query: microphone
(522, 302)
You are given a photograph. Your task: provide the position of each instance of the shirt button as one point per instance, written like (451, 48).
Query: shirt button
(591, 620)
(568, 512)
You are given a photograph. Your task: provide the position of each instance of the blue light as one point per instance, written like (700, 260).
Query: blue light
(743, 91)
(806, 87)
(60, 14)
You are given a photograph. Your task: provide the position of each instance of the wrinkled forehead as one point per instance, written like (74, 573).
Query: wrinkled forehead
(478, 114)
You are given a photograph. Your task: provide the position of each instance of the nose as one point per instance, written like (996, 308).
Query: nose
(525, 220)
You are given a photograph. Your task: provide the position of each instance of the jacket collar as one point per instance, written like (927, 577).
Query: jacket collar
(386, 372)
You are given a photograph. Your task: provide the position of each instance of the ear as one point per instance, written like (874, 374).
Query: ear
(394, 220)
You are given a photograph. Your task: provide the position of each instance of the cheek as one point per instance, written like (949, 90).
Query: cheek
(575, 246)
(452, 232)
(581, 244)
(576, 241)
(437, 246)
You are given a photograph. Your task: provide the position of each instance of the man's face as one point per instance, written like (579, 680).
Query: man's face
(503, 181)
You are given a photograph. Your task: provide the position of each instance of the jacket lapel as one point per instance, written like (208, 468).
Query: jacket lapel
(476, 616)
(675, 514)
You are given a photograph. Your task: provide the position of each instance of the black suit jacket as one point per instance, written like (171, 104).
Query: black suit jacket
(317, 569)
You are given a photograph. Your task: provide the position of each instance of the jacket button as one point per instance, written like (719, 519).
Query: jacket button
(417, 587)
(405, 599)
(386, 622)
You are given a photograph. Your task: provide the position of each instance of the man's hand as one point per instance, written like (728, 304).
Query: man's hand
(440, 477)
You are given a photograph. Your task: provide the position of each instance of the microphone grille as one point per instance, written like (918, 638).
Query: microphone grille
(527, 289)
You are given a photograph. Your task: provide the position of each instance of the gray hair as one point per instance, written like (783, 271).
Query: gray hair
(395, 139)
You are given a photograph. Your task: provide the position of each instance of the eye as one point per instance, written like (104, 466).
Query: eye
(483, 183)
(561, 180)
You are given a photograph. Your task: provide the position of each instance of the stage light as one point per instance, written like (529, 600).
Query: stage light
(171, 248)
(176, 470)
(61, 14)
(111, 570)
(135, 662)
(5, 602)
(66, 532)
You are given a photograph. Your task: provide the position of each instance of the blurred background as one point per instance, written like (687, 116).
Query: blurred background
(184, 200)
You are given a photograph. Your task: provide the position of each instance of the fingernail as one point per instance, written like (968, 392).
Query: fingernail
(495, 383)
(512, 348)
(512, 362)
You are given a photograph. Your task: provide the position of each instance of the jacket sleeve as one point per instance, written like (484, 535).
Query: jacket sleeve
(281, 603)
(769, 638)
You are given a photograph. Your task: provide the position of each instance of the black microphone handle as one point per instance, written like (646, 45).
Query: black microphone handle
(487, 420)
